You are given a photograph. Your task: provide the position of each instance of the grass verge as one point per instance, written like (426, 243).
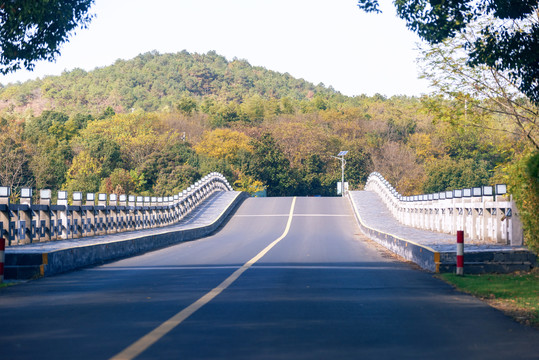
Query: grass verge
(516, 294)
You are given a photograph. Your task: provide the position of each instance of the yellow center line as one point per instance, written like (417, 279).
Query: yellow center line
(159, 332)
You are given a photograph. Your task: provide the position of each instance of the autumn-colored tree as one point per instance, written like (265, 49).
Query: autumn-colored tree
(246, 182)
(137, 134)
(397, 163)
(224, 144)
(84, 174)
(14, 158)
(122, 182)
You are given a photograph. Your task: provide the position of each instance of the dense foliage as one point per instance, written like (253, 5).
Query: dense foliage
(160, 82)
(32, 30)
(263, 130)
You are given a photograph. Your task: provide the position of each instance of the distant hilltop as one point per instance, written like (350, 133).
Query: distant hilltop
(154, 82)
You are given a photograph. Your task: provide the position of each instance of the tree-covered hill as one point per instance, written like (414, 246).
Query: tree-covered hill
(155, 124)
(153, 82)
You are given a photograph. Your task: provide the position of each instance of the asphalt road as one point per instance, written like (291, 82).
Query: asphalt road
(266, 286)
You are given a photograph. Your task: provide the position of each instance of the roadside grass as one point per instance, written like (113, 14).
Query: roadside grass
(7, 283)
(515, 294)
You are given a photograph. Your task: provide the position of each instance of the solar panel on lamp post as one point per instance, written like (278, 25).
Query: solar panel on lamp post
(343, 162)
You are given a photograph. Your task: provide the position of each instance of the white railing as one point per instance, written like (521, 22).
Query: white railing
(27, 223)
(486, 214)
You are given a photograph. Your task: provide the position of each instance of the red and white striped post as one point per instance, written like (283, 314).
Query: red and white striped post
(460, 252)
(2, 249)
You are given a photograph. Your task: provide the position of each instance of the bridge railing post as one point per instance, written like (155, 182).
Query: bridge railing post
(131, 203)
(91, 214)
(44, 215)
(102, 215)
(112, 210)
(62, 214)
(5, 214)
(122, 213)
(76, 214)
(139, 212)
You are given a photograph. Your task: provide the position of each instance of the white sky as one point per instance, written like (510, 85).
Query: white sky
(328, 41)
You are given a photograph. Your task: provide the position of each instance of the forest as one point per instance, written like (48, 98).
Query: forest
(157, 123)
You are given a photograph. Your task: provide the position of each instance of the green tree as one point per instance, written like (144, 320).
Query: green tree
(522, 177)
(270, 165)
(358, 166)
(108, 112)
(450, 174)
(37, 128)
(187, 105)
(509, 42)
(138, 135)
(33, 30)
(107, 151)
(253, 109)
(50, 160)
(172, 182)
(162, 164)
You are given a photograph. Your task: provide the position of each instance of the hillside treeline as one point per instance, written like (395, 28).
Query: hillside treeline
(157, 123)
(283, 145)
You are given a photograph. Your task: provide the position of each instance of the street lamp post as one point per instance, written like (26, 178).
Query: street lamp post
(343, 162)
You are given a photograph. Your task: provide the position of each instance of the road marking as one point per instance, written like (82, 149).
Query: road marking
(296, 215)
(155, 335)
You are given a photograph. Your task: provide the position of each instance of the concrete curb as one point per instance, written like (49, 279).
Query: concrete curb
(424, 256)
(59, 261)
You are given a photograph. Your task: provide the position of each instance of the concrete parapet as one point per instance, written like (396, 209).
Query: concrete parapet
(28, 223)
(484, 214)
(436, 256)
(71, 255)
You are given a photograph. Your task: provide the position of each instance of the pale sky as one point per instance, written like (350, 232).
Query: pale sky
(326, 41)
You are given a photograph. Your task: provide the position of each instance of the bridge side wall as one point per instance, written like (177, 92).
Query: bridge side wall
(489, 219)
(74, 258)
(27, 223)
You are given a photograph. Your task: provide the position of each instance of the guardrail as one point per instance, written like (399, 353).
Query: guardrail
(486, 214)
(27, 223)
